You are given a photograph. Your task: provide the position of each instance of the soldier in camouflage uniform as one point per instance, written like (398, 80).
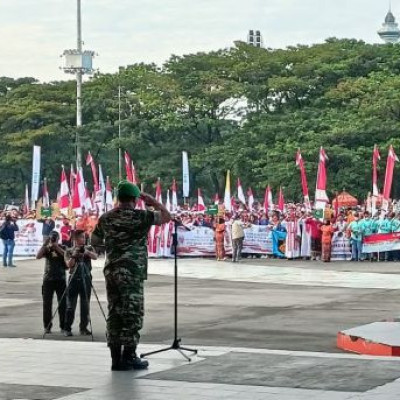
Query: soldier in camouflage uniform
(124, 231)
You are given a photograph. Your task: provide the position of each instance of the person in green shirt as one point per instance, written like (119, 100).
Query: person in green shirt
(355, 228)
(368, 227)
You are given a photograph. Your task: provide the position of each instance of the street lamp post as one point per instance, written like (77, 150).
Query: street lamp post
(78, 62)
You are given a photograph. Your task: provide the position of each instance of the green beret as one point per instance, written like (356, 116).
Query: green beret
(127, 189)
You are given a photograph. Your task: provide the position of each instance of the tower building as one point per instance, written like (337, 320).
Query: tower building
(254, 38)
(390, 32)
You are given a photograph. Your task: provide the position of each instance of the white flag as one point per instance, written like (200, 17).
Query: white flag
(185, 174)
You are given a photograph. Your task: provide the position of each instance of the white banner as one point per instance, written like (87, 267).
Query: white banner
(185, 174)
(28, 239)
(35, 175)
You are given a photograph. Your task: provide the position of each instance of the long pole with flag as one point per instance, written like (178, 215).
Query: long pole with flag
(227, 196)
(304, 184)
(46, 198)
(375, 191)
(185, 175)
(64, 192)
(250, 199)
(387, 188)
(128, 167)
(26, 203)
(90, 161)
(174, 196)
(321, 198)
(240, 192)
(200, 202)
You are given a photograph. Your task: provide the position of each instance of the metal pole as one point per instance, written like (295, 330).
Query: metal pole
(119, 135)
(78, 84)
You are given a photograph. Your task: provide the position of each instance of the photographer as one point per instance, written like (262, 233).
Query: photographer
(54, 279)
(7, 234)
(79, 262)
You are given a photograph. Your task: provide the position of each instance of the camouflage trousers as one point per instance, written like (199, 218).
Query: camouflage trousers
(125, 306)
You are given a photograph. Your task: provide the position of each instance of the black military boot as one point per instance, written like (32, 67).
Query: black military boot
(117, 362)
(130, 358)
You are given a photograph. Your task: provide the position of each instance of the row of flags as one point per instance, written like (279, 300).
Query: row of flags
(74, 193)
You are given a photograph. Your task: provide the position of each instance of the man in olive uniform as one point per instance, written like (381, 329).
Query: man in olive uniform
(124, 231)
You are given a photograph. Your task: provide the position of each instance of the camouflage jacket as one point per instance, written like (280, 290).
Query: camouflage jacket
(124, 231)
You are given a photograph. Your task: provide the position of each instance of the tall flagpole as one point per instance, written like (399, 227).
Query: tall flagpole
(119, 135)
(79, 74)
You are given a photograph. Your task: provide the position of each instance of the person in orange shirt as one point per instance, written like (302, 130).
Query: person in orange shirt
(219, 238)
(327, 231)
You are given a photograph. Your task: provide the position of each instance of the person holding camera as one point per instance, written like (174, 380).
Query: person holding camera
(79, 262)
(7, 234)
(54, 279)
(124, 231)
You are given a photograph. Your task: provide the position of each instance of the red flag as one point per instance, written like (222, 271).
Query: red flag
(158, 191)
(387, 188)
(72, 177)
(375, 158)
(200, 202)
(135, 179)
(268, 205)
(128, 167)
(304, 184)
(90, 161)
(281, 200)
(216, 199)
(320, 193)
(241, 197)
(64, 191)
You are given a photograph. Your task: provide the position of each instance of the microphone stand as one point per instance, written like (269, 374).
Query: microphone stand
(176, 344)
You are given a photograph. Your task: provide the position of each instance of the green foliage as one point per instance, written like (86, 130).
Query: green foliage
(244, 109)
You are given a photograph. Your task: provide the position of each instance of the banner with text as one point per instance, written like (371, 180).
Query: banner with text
(380, 242)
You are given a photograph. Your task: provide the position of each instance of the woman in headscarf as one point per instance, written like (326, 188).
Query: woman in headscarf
(219, 239)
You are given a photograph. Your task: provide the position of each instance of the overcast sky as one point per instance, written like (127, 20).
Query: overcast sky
(34, 33)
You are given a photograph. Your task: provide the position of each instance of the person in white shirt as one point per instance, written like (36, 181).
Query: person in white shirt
(237, 238)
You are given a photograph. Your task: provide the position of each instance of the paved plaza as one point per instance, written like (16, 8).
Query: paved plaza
(265, 329)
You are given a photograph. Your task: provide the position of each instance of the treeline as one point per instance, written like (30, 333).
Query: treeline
(244, 109)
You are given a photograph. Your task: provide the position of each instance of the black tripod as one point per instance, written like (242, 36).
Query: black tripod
(81, 266)
(176, 344)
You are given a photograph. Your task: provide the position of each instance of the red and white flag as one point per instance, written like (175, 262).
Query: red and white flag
(375, 158)
(387, 188)
(64, 192)
(304, 184)
(268, 204)
(200, 202)
(135, 179)
(250, 199)
(321, 199)
(46, 199)
(158, 191)
(216, 199)
(109, 196)
(79, 198)
(90, 161)
(281, 201)
(174, 196)
(240, 192)
(88, 201)
(128, 167)
(168, 202)
(26, 202)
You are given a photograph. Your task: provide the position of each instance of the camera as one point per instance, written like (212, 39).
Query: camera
(54, 237)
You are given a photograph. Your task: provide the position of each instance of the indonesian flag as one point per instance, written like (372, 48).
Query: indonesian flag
(81, 186)
(200, 202)
(304, 185)
(268, 204)
(88, 201)
(174, 196)
(375, 158)
(90, 161)
(387, 188)
(46, 199)
(216, 199)
(241, 197)
(79, 198)
(99, 199)
(109, 197)
(128, 167)
(281, 201)
(250, 199)
(227, 196)
(64, 192)
(26, 202)
(168, 203)
(158, 191)
(321, 199)
(135, 180)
